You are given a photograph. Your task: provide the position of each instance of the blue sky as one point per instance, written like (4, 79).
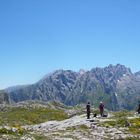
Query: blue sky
(40, 36)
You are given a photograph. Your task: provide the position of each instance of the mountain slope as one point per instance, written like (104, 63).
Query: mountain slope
(115, 85)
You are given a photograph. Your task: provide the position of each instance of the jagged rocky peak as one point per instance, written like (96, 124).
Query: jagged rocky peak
(137, 73)
(118, 69)
(82, 71)
(59, 74)
(123, 69)
(64, 74)
(59, 78)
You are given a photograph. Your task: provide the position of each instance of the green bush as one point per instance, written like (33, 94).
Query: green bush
(6, 131)
(135, 126)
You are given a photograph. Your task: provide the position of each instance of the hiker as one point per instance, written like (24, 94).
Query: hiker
(101, 108)
(138, 110)
(88, 110)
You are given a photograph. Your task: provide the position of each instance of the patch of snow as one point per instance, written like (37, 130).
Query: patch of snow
(81, 71)
(116, 94)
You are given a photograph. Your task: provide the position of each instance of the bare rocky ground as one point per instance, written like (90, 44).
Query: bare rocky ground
(76, 127)
(79, 128)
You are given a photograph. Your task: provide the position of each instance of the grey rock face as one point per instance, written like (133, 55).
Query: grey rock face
(4, 98)
(115, 85)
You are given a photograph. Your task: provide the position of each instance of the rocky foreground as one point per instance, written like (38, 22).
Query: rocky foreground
(117, 126)
(75, 128)
(79, 128)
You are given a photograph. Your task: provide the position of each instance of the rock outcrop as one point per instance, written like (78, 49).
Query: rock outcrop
(4, 98)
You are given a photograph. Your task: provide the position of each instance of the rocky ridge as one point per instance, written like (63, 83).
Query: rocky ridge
(115, 85)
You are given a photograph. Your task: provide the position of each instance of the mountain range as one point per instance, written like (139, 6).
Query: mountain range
(115, 85)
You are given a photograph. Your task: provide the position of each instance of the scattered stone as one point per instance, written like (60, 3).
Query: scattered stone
(27, 138)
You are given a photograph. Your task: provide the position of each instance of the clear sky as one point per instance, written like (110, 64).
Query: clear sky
(40, 36)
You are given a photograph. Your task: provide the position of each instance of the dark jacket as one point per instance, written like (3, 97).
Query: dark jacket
(88, 107)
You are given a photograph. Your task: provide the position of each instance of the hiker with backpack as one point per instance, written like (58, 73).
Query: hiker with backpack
(101, 108)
